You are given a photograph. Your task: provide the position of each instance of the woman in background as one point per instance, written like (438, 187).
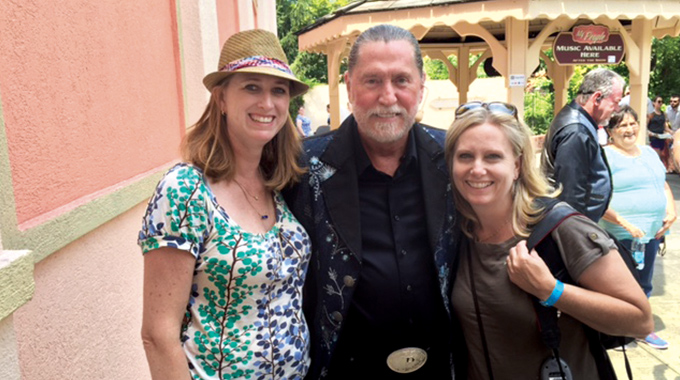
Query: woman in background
(642, 205)
(303, 123)
(658, 127)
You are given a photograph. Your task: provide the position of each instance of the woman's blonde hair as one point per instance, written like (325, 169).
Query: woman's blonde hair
(207, 146)
(530, 183)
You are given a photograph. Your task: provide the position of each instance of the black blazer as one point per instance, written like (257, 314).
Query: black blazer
(326, 202)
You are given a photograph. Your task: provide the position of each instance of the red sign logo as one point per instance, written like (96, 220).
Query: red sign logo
(591, 34)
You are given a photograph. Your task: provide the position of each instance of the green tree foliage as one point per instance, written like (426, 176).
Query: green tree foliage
(664, 80)
(437, 70)
(291, 17)
(539, 103)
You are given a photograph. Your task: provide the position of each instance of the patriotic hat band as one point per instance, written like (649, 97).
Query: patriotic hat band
(254, 51)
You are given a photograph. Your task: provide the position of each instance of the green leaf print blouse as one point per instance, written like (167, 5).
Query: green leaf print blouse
(244, 316)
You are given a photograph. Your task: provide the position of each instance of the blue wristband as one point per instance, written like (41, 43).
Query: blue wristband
(555, 295)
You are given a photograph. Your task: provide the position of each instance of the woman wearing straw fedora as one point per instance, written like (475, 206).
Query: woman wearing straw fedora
(224, 258)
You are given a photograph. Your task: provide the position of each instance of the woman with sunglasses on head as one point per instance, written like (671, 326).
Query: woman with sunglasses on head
(642, 206)
(501, 194)
(224, 258)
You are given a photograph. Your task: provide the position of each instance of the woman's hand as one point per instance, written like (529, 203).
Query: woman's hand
(636, 232)
(612, 216)
(670, 212)
(667, 221)
(529, 272)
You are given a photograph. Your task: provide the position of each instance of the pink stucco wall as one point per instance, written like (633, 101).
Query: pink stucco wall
(229, 22)
(84, 320)
(90, 94)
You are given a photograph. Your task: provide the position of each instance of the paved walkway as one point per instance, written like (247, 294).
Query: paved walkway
(646, 362)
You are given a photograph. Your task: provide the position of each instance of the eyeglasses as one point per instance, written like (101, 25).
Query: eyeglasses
(501, 107)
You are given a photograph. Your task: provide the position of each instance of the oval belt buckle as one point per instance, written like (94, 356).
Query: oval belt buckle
(407, 360)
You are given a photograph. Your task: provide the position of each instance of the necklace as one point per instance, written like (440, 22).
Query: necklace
(246, 194)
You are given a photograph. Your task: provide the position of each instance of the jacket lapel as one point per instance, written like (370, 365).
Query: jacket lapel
(341, 190)
(435, 181)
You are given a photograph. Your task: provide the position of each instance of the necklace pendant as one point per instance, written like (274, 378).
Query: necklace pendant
(263, 217)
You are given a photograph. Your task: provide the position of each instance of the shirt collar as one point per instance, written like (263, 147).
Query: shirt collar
(587, 115)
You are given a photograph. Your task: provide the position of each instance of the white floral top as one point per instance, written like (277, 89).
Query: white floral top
(244, 316)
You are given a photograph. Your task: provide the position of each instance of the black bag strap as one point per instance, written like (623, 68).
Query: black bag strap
(556, 213)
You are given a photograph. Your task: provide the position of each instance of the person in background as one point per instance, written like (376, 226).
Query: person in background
(672, 113)
(674, 124)
(345, 111)
(328, 110)
(657, 127)
(674, 121)
(642, 205)
(572, 156)
(625, 101)
(496, 189)
(303, 123)
(377, 203)
(224, 258)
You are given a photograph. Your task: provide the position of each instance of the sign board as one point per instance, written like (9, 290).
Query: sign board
(518, 80)
(587, 45)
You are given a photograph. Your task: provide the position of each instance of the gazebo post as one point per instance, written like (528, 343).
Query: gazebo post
(465, 77)
(560, 75)
(641, 34)
(517, 44)
(442, 56)
(334, 55)
(638, 57)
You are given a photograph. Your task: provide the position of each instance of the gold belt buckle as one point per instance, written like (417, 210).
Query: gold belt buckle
(407, 360)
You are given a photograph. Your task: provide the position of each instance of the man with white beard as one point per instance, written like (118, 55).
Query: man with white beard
(378, 207)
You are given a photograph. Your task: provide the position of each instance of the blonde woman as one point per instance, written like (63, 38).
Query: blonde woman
(496, 188)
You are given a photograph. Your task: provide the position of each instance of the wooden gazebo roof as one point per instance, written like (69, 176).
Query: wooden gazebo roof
(514, 32)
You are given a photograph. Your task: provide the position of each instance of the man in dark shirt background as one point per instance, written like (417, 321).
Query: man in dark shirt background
(572, 155)
(377, 205)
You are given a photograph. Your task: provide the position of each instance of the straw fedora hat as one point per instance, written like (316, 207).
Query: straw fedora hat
(254, 51)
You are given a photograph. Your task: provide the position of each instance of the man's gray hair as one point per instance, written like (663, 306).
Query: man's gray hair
(385, 33)
(602, 80)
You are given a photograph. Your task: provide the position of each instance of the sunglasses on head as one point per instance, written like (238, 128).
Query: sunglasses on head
(501, 107)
